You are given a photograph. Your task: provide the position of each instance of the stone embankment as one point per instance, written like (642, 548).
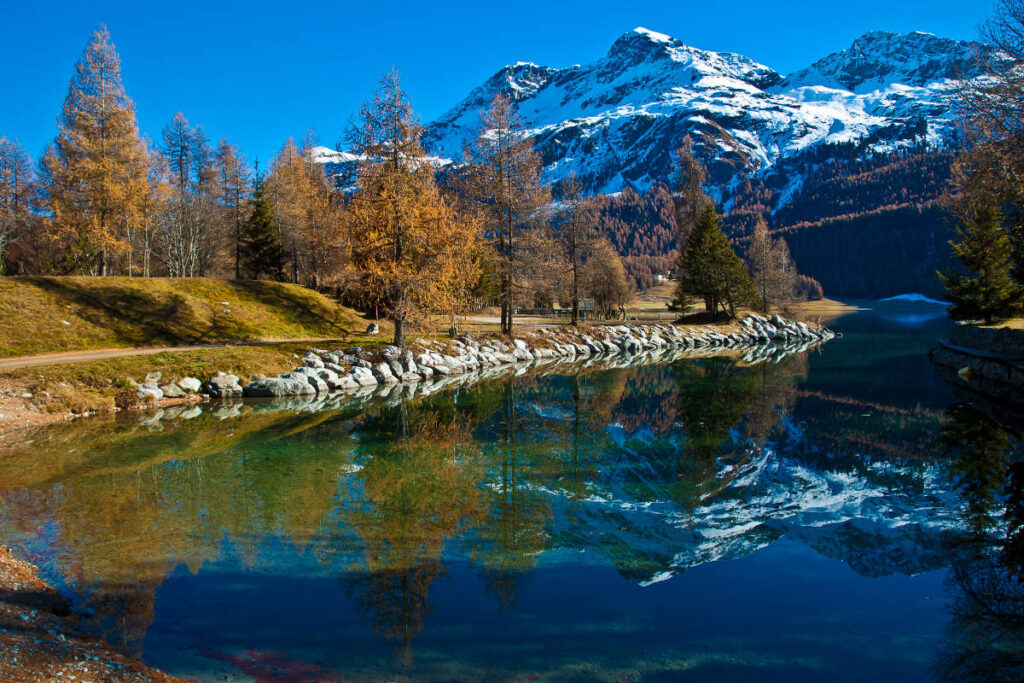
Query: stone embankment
(435, 363)
(987, 360)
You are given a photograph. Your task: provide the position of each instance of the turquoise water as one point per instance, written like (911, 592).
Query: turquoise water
(700, 520)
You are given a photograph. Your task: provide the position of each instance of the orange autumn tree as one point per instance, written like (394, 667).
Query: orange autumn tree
(95, 173)
(410, 245)
(308, 212)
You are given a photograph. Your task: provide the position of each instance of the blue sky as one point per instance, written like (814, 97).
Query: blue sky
(260, 71)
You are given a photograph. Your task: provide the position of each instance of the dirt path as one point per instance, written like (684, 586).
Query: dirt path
(103, 354)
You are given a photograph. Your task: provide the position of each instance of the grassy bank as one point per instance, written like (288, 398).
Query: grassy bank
(53, 314)
(38, 395)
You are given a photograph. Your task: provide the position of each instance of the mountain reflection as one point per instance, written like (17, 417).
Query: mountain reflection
(651, 469)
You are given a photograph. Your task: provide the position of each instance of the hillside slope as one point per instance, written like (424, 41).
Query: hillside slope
(53, 314)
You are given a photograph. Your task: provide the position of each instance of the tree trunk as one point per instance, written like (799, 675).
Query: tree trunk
(399, 339)
(575, 292)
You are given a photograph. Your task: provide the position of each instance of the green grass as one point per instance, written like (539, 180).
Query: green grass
(52, 314)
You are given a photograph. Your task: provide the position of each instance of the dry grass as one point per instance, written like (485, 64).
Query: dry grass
(52, 314)
(95, 386)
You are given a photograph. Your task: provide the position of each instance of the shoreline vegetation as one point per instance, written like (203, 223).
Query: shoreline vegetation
(246, 328)
(36, 396)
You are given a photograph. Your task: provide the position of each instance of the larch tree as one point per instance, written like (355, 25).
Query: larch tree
(985, 288)
(17, 191)
(577, 238)
(504, 180)
(689, 194)
(690, 203)
(96, 169)
(309, 216)
(409, 244)
(605, 278)
(234, 191)
(774, 272)
(189, 235)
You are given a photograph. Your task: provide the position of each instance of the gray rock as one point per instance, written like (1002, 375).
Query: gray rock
(150, 392)
(190, 384)
(172, 390)
(346, 383)
(330, 378)
(279, 386)
(152, 378)
(223, 386)
(312, 361)
(363, 376)
(383, 373)
(319, 386)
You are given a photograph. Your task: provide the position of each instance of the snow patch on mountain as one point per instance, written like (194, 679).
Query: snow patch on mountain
(617, 121)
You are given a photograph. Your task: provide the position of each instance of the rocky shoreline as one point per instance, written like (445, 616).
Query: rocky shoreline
(429, 365)
(42, 639)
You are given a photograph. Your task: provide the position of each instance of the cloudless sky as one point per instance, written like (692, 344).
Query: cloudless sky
(260, 71)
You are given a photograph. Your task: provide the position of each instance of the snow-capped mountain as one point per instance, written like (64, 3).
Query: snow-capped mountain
(615, 122)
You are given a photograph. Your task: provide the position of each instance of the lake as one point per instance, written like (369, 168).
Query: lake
(699, 520)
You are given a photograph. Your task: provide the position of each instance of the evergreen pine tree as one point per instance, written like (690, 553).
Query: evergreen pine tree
(986, 289)
(711, 269)
(261, 240)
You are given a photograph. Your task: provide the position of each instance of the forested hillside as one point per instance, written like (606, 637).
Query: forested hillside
(641, 227)
(862, 227)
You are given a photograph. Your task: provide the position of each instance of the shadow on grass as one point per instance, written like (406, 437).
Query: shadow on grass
(168, 316)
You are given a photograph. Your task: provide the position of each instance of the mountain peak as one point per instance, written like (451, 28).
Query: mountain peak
(878, 59)
(653, 36)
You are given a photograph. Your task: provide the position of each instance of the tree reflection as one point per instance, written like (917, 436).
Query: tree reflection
(504, 470)
(418, 488)
(713, 395)
(985, 637)
(148, 503)
(515, 530)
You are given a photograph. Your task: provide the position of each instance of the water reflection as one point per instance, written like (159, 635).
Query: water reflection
(650, 470)
(985, 640)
